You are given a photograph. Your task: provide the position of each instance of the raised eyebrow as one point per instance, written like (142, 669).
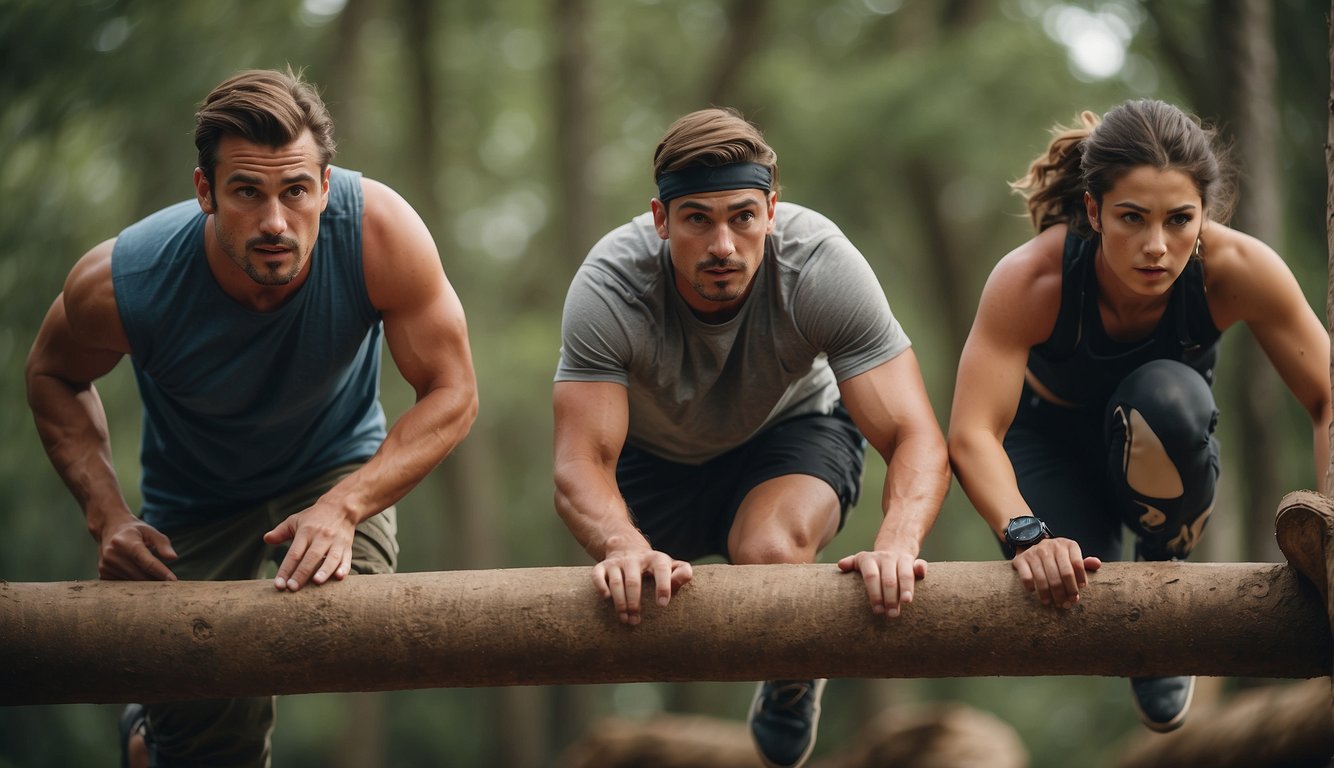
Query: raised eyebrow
(241, 177)
(737, 206)
(695, 206)
(299, 178)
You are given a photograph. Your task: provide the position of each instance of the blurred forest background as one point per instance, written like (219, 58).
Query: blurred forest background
(522, 131)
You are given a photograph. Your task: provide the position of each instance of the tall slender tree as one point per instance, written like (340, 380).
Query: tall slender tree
(1252, 65)
(1329, 220)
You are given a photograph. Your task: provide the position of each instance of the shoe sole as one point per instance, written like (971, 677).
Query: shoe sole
(1174, 723)
(815, 724)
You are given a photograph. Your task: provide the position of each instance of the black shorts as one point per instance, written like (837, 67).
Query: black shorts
(686, 510)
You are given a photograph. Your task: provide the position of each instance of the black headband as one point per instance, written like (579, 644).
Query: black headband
(713, 178)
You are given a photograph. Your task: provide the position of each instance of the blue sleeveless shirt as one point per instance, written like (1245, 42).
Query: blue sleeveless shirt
(240, 406)
(1082, 365)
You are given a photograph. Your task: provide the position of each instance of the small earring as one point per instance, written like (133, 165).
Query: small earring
(1195, 254)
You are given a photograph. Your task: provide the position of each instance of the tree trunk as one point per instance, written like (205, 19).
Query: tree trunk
(153, 641)
(1253, 69)
(575, 200)
(361, 738)
(577, 205)
(746, 33)
(420, 29)
(346, 89)
(946, 262)
(1329, 233)
(468, 477)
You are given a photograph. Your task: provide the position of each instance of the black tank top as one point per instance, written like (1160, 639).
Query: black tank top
(1081, 365)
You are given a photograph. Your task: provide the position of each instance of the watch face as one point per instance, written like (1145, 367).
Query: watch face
(1022, 530)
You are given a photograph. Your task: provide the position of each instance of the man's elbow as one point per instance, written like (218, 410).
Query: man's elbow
(564, 480)
(923, 445)
(465, 415)
(471, 405)
(30, 381)
(39, 383)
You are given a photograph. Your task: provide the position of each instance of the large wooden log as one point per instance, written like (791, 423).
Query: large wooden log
(135, 641)
(1304, 527)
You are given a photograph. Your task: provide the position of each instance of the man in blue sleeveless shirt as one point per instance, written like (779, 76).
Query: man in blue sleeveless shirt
(253, 317)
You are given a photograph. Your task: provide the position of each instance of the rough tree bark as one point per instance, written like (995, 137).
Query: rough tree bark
(134, 641)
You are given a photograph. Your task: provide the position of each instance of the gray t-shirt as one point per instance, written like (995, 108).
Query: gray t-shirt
(815, 316)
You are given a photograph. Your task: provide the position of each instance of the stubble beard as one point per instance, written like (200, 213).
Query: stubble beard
(265, 275)
(260, 272)
(715, 290)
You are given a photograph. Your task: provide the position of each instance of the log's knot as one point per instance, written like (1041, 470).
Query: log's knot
(202, 630)
(1256, 588)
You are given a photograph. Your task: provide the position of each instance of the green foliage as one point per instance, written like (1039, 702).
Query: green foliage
(878, 118)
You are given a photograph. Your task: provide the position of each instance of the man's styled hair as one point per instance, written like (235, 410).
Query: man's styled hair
(263, 106)
(711, 138)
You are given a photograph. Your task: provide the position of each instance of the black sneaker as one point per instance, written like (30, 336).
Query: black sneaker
(783, 719)
(134, 720)
(1162, 701)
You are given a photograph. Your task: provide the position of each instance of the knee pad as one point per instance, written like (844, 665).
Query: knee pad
(1162, 455)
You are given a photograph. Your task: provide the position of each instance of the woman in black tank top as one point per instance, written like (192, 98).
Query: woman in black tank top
(1083, 403)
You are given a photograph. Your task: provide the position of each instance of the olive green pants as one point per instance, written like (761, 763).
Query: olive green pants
(238, 732)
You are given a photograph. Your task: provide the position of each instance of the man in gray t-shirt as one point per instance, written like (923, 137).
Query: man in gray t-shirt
(724, 360)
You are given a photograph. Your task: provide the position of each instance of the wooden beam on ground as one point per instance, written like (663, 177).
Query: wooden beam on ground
(1275, 725)
(932, 736)
(107, 642)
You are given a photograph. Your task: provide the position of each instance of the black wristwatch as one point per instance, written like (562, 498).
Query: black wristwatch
(1025, 531)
